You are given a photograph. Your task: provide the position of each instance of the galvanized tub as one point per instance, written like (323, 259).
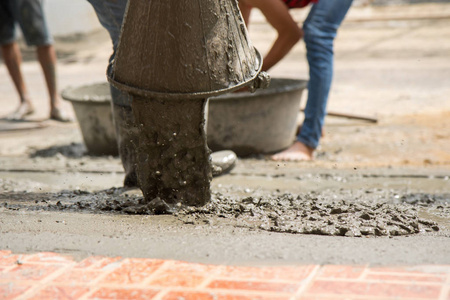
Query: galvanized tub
(92, 106)
(255, 123)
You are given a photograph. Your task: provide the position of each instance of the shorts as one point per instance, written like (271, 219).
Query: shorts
(29, 14)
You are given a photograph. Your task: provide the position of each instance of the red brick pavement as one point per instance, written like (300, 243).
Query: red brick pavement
(54, 276)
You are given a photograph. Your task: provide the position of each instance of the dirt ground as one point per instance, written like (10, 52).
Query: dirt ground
(387, 181)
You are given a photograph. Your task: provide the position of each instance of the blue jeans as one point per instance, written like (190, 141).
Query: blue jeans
(110, 13)
(320, 28)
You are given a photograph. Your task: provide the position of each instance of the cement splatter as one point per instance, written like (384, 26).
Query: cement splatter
(313, 214)
(360, 213)
(73, 150)
(173, 158)
(438, 205)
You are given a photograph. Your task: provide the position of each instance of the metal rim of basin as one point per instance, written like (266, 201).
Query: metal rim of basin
(238, 121)
(294, 85)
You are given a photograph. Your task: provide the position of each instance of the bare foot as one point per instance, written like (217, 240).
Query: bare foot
(58, 114)
(24, 109)
(296, 152)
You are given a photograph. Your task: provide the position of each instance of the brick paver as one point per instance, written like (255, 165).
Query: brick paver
(54, 276)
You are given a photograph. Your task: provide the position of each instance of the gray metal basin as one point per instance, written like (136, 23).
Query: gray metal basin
(247, 123)
(255, 123)
(92, 106)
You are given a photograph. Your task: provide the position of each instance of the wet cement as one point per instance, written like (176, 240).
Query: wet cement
(355, 213)
(117, 221)
(73, 150)
(173, 157)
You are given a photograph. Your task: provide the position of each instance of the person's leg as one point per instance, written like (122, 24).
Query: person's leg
(30, 15)
(13, 59)
(320, 30)
(110, 15)
(126, 133)
(47, 59)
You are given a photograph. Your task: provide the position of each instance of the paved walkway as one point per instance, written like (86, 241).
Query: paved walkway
(53, 276)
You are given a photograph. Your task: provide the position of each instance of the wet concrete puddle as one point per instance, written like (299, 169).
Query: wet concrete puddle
(353, 213)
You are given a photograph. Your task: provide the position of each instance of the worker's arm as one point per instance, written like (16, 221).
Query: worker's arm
(277, 14)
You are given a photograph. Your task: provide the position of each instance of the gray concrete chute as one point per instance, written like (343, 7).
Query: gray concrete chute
(172, 56)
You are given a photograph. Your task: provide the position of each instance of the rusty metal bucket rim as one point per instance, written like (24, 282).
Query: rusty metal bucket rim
(177, 96)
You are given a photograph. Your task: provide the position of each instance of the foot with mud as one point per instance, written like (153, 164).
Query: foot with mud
(57, 114)
(296, 152)
(25, 108)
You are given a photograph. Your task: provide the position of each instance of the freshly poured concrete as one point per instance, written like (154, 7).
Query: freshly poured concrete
(93, 221)
(83, 235)
(173, 164)
(402, 160)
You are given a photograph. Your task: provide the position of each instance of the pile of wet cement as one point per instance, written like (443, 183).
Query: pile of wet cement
(339, 213)
(313, 214)
(435, 204)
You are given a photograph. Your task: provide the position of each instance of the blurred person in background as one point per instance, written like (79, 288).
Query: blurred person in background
(29, 15)
(277, 15)
(319, 31)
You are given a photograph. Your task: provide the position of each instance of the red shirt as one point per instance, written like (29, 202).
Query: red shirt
(298, 3)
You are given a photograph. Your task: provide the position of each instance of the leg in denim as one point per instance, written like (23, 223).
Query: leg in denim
(126, 133)
(110, 14)
(320, 29)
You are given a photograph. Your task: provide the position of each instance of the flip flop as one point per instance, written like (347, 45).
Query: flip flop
(60, 116)
(20, 113)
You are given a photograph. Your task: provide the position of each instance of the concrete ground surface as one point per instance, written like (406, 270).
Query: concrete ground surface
(392, 63)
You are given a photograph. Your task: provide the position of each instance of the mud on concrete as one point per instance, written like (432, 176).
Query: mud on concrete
(351, 213)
